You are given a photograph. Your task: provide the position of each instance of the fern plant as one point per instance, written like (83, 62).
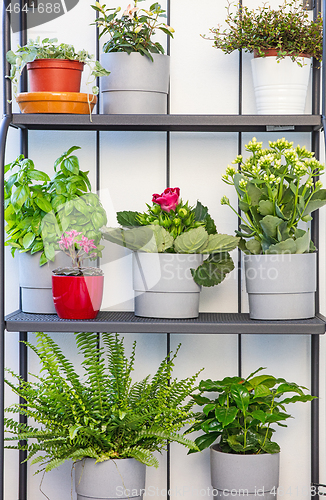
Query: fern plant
(102, 415)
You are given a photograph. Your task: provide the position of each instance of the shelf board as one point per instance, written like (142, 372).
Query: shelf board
(123, 322)
(172, 123)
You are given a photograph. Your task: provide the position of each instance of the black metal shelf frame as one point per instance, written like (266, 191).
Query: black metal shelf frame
(213, 323)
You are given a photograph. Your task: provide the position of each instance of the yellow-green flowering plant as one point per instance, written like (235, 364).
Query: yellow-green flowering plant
(277, 189)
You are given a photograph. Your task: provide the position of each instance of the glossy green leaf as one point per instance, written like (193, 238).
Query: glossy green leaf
(128, 219)
(220, 243)
(266, 207)
(226, 415)
(269, 225)
(241, 397)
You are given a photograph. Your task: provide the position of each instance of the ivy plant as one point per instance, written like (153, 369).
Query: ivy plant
(100, 414)
(49, 48)
(242, 412)
(38, 210)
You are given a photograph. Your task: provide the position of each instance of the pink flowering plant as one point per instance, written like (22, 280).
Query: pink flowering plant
(133, 30)
(79, 248)
(173, 226)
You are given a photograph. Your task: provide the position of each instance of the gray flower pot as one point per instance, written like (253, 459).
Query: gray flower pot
(244, 476)
(163, 285)
(281, 286)
(123, 479)
(36, 281)
(136, 84)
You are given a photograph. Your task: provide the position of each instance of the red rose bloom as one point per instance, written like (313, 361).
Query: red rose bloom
(168, 200)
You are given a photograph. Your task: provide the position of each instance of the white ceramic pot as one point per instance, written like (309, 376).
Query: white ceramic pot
(244, 476)
(163, 285)
(136, 84)
(36, 282)
(281, 286)
(280, 85)
(113, 479)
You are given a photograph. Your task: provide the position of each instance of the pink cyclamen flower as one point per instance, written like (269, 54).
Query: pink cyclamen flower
(168, 200)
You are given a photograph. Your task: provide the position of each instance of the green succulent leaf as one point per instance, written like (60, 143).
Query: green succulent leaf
(218, 243)
(193, 241)
(213, 270)
(128, 219)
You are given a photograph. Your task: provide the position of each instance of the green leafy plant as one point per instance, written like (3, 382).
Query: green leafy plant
(133, 31)
(38, 210)
(170, 225)
(241, 414)
(101, 414)
(50, 49)
(276, 191)
(287, 29)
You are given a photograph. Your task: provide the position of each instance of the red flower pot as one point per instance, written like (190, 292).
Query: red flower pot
(77, 297)
(54, 75)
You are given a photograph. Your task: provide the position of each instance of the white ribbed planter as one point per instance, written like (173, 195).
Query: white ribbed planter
(36, 281)
(280, 86)
(281, 286)
(136, 84)
(244, 476)
(163, 285)
(113, 479)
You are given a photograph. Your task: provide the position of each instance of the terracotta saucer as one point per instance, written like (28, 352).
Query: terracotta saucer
(56, 102)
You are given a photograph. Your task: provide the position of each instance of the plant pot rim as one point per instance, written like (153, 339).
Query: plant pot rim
(78, 276)
(274, 52)
(216, 448)
(53, 62)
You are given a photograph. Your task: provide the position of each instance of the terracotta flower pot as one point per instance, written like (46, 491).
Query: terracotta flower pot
(77, 297)
(54, 75)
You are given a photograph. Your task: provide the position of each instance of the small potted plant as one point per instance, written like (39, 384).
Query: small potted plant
(277, 193)
(53, 68)
(140, 69)
(37, 211)
(240, 419)
(77, 290)
(169, 241)
(283, 40)
(106, 424)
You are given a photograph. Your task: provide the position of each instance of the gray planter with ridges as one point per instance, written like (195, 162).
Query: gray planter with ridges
(36, 281)
(109, 480)
(136, 84)
(163, 285)
(244, 476)
(281, 286)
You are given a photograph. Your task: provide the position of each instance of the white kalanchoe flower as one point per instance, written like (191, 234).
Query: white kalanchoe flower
(230, 171)
(238, 159)
(225, 201)
(318, 185)
(243, 183)
(309, 184)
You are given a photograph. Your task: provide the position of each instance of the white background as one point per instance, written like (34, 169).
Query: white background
(203, 81)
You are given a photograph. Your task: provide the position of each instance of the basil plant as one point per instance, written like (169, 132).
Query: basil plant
(277, 191)
(171, 226)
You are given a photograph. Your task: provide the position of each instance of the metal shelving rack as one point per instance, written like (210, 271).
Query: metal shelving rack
(122, 322)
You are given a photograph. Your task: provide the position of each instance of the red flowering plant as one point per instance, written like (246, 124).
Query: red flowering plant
(172, 226)
(78, 249)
